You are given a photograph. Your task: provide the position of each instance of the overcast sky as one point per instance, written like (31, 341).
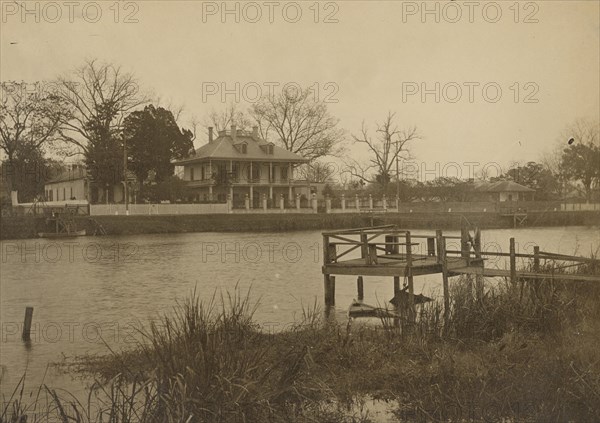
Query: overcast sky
(370, 57)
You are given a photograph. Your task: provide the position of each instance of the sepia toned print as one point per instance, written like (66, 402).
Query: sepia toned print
(299, 211)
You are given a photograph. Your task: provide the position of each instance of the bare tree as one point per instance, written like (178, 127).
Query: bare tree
(299, 124)
(100, 93)
(224, 118)
(29, 120)
(389, 144)
(100, 96)
(318, 171)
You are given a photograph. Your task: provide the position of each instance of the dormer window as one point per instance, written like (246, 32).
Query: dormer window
(270, 149)
(244, 148)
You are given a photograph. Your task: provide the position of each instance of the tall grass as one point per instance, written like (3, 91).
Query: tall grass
(522, 352)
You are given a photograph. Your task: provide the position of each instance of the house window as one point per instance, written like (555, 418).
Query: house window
(254, 172)
(71, 196)
(244, 148)
(270, 149)
(284, 173)
(192, 173)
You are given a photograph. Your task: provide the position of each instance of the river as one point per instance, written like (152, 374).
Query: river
(88, 293)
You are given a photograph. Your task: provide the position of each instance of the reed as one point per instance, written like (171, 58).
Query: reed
(523, 352)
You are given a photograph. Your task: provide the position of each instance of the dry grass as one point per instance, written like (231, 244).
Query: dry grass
(523, 352)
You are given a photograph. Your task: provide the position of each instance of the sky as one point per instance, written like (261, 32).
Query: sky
(484, 82)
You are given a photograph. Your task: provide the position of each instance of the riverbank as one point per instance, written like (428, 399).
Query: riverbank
(22, 227)
(518, 354)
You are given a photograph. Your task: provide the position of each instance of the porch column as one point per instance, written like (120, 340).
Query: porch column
(290, 194)
(271, 179)
(251, 195)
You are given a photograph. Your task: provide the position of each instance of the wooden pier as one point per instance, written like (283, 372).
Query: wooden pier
(388, 251)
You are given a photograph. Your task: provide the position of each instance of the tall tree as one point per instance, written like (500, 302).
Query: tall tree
(153, 140)
(100, 95)
(580, 160)
(299, 123)
(29, 120)
(389, 144)
(535, 176)
(230, 115)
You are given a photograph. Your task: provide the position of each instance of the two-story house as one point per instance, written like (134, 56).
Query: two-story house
(238, 164)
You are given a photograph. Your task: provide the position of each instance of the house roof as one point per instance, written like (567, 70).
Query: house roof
(224, 148)
(78, 173)
(502, 186)
(69, 175)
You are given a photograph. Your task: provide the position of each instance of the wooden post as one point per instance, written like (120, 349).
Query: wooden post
(444, 262)
(27, 324)
(438, 241)
(411, 287)
(478, 277)
(364, 252)
(326, 277)
(464, 242)
(360, 288)
(332, 290)
(536, 258)
(513, 261)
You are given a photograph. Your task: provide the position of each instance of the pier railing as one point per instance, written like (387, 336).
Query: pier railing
(389, 251)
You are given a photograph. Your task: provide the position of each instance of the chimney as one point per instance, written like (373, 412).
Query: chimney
(233, 133)
(210, 134)
(255, 132)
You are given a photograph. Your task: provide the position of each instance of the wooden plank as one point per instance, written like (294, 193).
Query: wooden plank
(504, 273)
(380, 270)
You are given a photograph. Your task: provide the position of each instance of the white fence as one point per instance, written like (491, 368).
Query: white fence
(158, 209)
(580, 206)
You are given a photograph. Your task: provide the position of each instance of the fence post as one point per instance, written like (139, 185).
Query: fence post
(513, 261)
(360, 288)
(411, 287)
(27, 324)
(536, 258)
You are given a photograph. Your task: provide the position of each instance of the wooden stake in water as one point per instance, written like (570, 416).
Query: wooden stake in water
(27, 324)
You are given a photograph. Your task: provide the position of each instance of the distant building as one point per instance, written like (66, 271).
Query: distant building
(71, 184)
(74, 184)
(239, 164)
(501, 191)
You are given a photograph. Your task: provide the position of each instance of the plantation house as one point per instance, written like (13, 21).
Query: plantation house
(238, 164)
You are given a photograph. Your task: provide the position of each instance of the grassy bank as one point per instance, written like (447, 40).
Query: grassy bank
(523, 352)
(28, 227)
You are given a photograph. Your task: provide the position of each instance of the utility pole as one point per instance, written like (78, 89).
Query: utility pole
(125, 189)
(397, 179)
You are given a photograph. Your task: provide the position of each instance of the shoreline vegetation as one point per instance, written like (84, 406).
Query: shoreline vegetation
(23, 227)
(526, 352)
